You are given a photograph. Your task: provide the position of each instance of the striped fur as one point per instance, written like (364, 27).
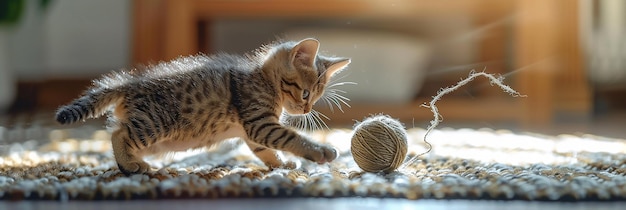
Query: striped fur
(197, 101)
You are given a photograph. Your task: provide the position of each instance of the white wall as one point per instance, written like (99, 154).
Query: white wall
(453, 37)
(72, 38)
(25, 44)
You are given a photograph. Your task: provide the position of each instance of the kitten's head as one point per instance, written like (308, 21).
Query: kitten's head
(303, 74)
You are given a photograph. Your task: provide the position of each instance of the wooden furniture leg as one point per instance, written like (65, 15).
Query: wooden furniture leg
(534, 46)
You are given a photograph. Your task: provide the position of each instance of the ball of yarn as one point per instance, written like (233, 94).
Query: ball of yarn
(379, 143)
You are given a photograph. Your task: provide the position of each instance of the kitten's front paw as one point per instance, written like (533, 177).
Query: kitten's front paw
(321, 154)
(131, 168)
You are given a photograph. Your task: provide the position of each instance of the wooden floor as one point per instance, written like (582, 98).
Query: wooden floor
(309, 203)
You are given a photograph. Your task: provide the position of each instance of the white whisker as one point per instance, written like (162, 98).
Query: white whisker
(338, 99)
(317, 117)
(340, 84)
(335, 101)
(319, 114)
(335, 78)
(307, 122)
(342, 98)
(329, 103)
(311, 121)
(337, 90)
(333, 96)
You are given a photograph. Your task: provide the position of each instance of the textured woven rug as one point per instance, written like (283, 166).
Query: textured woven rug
(43, 162)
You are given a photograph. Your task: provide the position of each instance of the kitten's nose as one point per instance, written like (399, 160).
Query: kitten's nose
(307, 109)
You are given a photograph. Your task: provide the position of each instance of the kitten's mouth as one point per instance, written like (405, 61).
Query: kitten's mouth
(298, 110)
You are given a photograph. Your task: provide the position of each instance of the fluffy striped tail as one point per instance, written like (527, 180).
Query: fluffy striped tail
(91, 105)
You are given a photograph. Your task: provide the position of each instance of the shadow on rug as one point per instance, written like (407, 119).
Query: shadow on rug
(77, 164)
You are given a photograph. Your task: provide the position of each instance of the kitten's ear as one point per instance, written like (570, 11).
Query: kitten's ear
(305, 52)
(335, 66)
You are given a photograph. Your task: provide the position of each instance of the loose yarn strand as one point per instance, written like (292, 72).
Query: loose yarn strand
(438, 118)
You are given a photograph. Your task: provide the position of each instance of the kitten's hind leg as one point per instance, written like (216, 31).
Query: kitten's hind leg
(271, 157)
(123, 150)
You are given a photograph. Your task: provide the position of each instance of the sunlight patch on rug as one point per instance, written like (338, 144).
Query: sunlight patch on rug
(464, 164)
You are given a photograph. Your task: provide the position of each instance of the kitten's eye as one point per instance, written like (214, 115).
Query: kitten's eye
(305, 94)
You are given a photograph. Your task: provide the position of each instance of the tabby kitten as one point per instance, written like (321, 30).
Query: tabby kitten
(197, 101)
